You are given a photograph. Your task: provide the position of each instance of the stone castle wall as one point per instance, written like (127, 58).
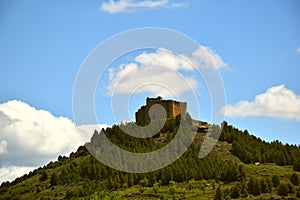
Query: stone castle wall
(172, 109)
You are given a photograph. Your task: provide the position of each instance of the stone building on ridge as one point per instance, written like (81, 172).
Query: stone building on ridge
(155, 106)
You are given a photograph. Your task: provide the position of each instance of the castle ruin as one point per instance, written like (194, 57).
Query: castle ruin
(171, 108)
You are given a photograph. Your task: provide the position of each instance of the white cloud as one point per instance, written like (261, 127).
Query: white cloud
(207, 58)
(180, 4)
(154, 79)
(278, 102)
(159, 72)
(34, 136)
(165, 58)
(86, 131)
(298, 50)
(122, 6)
(31, 138)
(12, 172)
(3, 147)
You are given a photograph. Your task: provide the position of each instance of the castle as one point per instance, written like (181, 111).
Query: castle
(172, 109)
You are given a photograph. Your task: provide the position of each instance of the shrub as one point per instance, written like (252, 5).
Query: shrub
(263, 185)
(296, 166)
(294, 179)
(54, 179)
(141, 189)
(155, 187)
(219, 194)
(44, 176)
(144, 182)
(283, 189)
(254, 187)
(191, 184)
(235, 192)
(270, 185)
(276, 181)
(172, 187)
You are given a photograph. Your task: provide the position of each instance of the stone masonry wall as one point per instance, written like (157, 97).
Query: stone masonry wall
(172, 108)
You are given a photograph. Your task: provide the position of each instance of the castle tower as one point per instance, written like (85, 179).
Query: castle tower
(172, 109)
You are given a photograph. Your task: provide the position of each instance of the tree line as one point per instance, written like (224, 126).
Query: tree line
(83, 168)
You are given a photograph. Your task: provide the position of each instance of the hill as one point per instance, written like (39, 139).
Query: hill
(240, 165)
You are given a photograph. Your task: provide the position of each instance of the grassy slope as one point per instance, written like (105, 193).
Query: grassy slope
(204, 189)
(33, 188)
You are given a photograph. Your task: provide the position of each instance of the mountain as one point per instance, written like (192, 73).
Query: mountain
(239, 166)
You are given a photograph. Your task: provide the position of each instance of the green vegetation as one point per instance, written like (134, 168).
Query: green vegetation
(296, 166)
(283, 189)
(228, 172)
(276, 180)
(294, 179)
(219, 194)
(250, 149)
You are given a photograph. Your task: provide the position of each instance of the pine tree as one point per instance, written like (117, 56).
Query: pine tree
(251, 186)
(44, 176)
(254, 187)
(294, 179)
(130, 180)
(263, 185)
(242, 173)
(219, 194)
(235, 192)
(227, 193)
(124, 180)
(281, 160)
(291, 188)
(257, 188)
(243, 187)
(283, 189)
(296, 166)
(230, 173)
(54, 179)
(110, 183)
(117, 181)
(275, 180)
(270, 185)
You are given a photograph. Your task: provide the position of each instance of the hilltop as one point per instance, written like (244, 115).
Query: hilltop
(239, 166)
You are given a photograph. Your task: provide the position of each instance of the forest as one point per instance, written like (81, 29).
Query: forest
(241, 165)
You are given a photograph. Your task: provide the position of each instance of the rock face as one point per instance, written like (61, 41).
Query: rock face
(157, 108)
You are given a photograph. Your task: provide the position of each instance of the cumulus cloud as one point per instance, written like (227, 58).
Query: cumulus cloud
(159, 72)
(157, 80)
(86, 131)
(207, 58)
(278, 102)
(167, 59)
(123, 6)
(3, 147)
(12, 172)
(34, 136)
(31, 138)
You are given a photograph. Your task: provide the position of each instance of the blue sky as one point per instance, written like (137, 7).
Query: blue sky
(44, 43)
